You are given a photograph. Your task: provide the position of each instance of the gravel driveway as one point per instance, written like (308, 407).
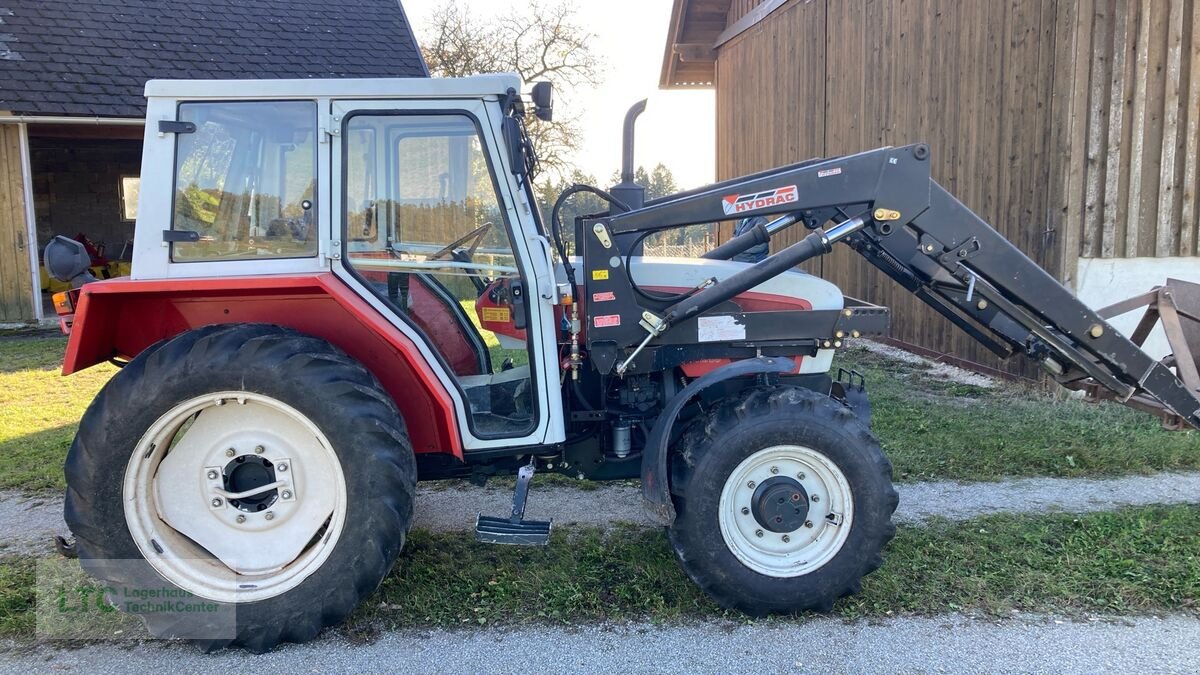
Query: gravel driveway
(910, 645)
(27, 523)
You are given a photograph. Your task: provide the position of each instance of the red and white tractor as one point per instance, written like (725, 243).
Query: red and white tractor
(342, 287)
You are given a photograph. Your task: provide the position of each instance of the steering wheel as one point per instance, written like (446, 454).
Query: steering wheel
(459, 253)
(455, 249)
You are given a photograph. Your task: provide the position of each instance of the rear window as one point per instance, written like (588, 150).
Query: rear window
(245, 181)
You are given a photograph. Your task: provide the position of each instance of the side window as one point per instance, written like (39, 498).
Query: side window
(428, 233)
(245, 181)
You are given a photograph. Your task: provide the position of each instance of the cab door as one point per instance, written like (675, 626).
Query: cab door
(436, 233)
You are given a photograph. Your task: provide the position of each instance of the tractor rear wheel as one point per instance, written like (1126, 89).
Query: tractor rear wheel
(784, 501)
(257, 469)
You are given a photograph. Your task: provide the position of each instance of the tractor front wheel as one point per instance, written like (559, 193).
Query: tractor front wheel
(784, 501)
(257, 469)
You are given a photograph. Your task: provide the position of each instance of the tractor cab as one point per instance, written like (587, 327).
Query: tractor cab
(409, 196)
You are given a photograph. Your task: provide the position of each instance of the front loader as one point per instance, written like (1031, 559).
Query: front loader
(341, 287)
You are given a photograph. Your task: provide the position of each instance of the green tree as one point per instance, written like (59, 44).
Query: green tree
(660, 182)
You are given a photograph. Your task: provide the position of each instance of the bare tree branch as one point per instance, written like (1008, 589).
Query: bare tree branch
(539, 41)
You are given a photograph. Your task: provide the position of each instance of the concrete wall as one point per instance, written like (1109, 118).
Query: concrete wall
(76, 187)
(1104, 281)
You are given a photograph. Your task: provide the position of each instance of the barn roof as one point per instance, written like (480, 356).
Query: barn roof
(93, 57)
(698, 28)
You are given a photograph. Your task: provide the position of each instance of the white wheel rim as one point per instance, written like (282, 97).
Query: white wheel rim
(224, 552)
(812, 544)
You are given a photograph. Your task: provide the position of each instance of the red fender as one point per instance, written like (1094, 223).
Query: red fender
(119, 318)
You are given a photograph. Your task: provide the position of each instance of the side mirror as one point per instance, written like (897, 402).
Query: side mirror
(543, 101)
(514, 141)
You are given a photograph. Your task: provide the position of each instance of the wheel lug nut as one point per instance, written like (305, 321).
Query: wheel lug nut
(241, 519)
(212, 475)
(816, 498)
(216, 502)
(270, 515)
(786, 539)
(801, 475)
(808, 523)
(230, 452)
(774, 469)
(745, 511)
(286, 494)
(258, 449)
(750, 485)
(282, 466)
(758, 533)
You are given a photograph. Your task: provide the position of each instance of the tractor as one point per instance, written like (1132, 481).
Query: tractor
(343, 287)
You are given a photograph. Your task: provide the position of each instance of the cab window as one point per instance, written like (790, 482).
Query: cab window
(245, 181)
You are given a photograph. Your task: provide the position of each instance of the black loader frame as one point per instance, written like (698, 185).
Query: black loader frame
(883, 204)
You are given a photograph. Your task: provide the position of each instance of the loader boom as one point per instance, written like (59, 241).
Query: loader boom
(885, 205)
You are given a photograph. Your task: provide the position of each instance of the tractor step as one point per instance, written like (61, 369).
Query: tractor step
(514, 530)
(493, 530)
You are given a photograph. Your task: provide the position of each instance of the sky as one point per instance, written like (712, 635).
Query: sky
(677, 128)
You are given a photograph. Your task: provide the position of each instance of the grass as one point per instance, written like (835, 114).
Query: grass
(937, 429)
(39, 410)
(1133, 561)
(930, 428)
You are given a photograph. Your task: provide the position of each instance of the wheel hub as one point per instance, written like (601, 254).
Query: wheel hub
(780, 504)
(245, 473)
(785, 510)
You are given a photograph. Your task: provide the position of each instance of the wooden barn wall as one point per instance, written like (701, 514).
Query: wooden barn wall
(1132, 184)
(16, 283)
(770, 93)
(973, 78)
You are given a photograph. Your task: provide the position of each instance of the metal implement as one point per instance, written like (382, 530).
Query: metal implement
(1176, 307)
(514, 530)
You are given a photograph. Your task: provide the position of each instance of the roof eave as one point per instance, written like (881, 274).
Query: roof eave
(677, 53)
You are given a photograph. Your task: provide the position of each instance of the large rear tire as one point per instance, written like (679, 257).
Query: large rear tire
(168, 444)
(784, 501)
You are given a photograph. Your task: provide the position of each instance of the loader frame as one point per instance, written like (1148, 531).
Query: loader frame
(885, 205)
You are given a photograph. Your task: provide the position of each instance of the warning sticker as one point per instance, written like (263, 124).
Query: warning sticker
(735, 204)
(719, 329)
(825, 173)
(497, 314)
(607, 320)
(599, 275)
(604, 296)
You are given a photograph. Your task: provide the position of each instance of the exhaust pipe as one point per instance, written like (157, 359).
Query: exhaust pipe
(629, 192)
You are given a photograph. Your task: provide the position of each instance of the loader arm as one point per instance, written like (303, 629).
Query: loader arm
(885, 205)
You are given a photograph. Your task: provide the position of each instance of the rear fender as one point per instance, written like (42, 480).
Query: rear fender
(119, 318)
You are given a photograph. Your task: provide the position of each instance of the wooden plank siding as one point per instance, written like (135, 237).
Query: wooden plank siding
(1142, 117)
(1070, 125)
(16, 282)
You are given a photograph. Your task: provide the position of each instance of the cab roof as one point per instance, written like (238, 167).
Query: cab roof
(477, 86)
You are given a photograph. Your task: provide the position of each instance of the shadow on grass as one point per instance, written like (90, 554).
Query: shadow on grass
(35, 461)
(32, 353)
